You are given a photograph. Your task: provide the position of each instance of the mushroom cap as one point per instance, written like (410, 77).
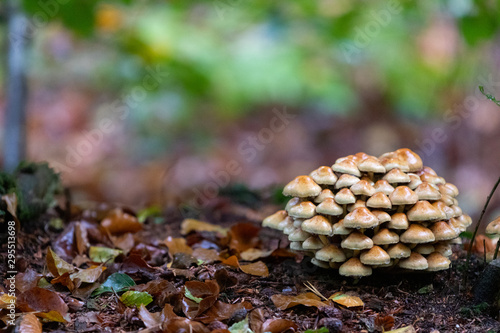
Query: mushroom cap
(273, 221)
(297, 222)
(424, 211)
(381, 216)
(354, 267)
(329, 207)
(347, 165)
(417, 234)
(399, 221)
(448, 201)
(444, 249)
(493, 227)
(302, 187)
(363, 187)
(360, 218)
(305, 210)
(346, 180)
(286, 223)
(345, 197)
(357, 241)
(437, 262)
(457, 226)
(339, 228)
(379, 200)
(403, 195)
(465, 220)
(457, 211)
(424, 249)
(326, 193)
(426, 191)
(331, 253)
(398, 251)
(396, 176)
(357, 204)
(449, 189)
(320, 263)
(384, 237)
(323, 175)
(442, 231)
(414, 161)
(296, 246)
(317, 225)
(391, 161)
(414, 262)
(375, 256)
(414, 181)
(383, 186)
(298, 235)
(312, 243)
(371, 164)
(447, 210)
(292, 202)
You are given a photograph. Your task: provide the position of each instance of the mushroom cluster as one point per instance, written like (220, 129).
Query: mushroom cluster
(366, 212)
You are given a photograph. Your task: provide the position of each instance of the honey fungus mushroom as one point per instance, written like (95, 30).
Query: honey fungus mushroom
(365, 212)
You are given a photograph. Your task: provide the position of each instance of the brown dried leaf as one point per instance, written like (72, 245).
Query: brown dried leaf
(208, 291)
(208, 256)
(124, 242)
(118, 222)
(189, 225)
(56, 265)
(81, 237)
(222, 311)
(29, 323)
(257, 268)
(254, 254)
(177, 245)
(231, 261)
(346, 300)
(151, 320)
(27, 280)
(11, 202)
(66, 281)
(163, 292)
(279, 326)
(6, 300)
(256, 320)
(173, 323)
(284, 302)
(224, 279)
(48, 304)
(384, 323)
(244, 236)
(88, 275)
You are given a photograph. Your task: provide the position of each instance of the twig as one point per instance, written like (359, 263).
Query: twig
(496, 249)
(488, 96)
(469, 250)
(312, 288)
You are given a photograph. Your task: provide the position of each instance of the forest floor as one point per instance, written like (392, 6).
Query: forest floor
(199, 281)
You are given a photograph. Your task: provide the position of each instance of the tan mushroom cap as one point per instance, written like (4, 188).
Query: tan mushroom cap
(424, 249)
(375, 256)
(320, 263)
(426, 191)
(312, 243)
(371, 164)
(444, 249)
(292, 202)
(360, 218)
(384, 237)
(381, 216)
(346, 180)
(493, 227)
(417, 234)
(357, 204)
(323, 176)
(289, 229)
(297, 222)
(391, 161)
(437, 262)
(286, 223)
(357, 241)
(465, 220)
(457, 211)
(414, 262)
(442, 231)
(414, 161)
(396, 176)
(398, 221)
(354, 267)
(448, 201)
(329, 207)
(340, 229)
(414, 181)
(363, 187)
(326, 193)
(457, 226)
(379, 200)
(345, 197)
(302, 187)
(298, 235)
(447, 210)
(296, 246)
(305, 210)
(403, 195)
(348, 166)
(449, 189)
(384, 187)
(398, 251)
(331, 253)
(424, 211)
(273, 221)
(317, 225)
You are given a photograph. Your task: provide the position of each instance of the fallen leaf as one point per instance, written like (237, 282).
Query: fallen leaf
(11, 203)
(232, 261)
(346, 300)
(163, 292)
(244, 236)
(222, 311)
(177, 245)
(88, 275)
(240, 327)
(116, 282)
(65, 280)
(29, 323)
(152, 211)
(102, 254)
(27, 280)
(136, 298)
(384, 323)
(224, 279)
(188, 294)
(407, 329)
(7, 300)
(150, 320)
(207, 291)
(47, 303)
(118, 222)
(124, 242)
(208, 256)
(257, 268)
(189, 225)
(319, 330)
(279, 326)
(81, 238)
(254, 254)
(173, 323)
(56, 265)
(284, 302)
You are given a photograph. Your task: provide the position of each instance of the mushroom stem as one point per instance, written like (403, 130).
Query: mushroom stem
(356, 253)
(401, 209)
(324, 239)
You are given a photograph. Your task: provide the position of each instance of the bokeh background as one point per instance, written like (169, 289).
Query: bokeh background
(142, 102)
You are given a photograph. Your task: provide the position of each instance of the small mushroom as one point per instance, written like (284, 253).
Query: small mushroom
(442, 231)
(275, 219)
(398, 221)
(329, 207)
(414, 262)
(339, 228)
(426, 191)
(384, 187)
(346, 180)
(357, 241)
(396, 176)
(347, 166)
(318, 225)
(331, 253)
(360, 218)
(345, 197)
(325, 194)
(424, 211)
(302, 187)
(312, 243)
(375, 256)
(424, 249)
(304, 210)
(354, 267)
(298, 235)
(437, 262)
(323, 176)
(417, 234)
(363, 188)
(379, 200)
(385, 237)
(398, 251)
(493, 228)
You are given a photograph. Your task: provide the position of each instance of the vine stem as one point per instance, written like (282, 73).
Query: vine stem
(469, 251)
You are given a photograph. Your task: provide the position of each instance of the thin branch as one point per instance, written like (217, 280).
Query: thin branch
(489, 96)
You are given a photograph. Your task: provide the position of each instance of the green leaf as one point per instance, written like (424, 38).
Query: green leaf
(319, 330)
(240, 327)
(466, 234)
(103, 254)
(188, 294)
(136, 298)
(116, 282)
(427, 289)
(153, 211)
